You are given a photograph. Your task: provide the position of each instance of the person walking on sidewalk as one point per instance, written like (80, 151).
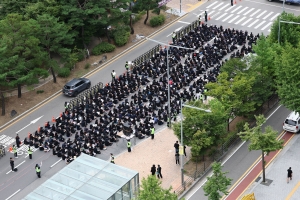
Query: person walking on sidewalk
(153, 170)
(176, 146)
(112, 158)
(38, 170)
(205, 16)
(30, 152)
(15, 151)
(177, 158)
(129, 145)
(158, 172)
(289, 175)
(12, 164)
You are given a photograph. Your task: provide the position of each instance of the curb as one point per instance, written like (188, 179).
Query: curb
(97, 68)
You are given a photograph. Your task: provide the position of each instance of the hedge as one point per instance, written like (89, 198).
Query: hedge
(63, 72)
(157, 20)
(121, 36)
(103, 47)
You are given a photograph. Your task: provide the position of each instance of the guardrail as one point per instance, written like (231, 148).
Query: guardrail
(146, 56)
(187, 29)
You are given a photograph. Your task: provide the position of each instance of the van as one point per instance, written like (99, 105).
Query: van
(292, 122)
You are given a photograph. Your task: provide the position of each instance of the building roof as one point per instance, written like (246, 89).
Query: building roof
(86, 177)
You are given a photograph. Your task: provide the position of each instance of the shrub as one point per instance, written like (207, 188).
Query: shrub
(87, 65)
(121, 35)
(80, 56)
(69, 66)
(63, 72)
(138, 16)
(103, 47)
(157, 20)
(39, 91)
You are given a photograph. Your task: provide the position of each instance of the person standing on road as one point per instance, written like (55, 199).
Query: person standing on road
(30, 152)
(174, 37)
(177, 158)
(289, 175)
(205, 16)
(152, 132)
(18, 141)
(38, 170)
(153, 170)
(15, 151)
(231, 2)
(12, 164)
(113, 76)
(112, 158)
(158, 172)
(127, 66)
(129, 145)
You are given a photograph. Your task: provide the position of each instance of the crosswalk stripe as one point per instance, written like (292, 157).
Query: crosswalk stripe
(258, 16)
(265, 17)
(242, 10)
(246, 21)
(224, 7)
(234, 18)
(253, 23)
(227, 17)
(254, 12)
(210, 13)
(248, 11)
(274, 16)
(267, 25)
(218, 5)
(260, 24)
(212, 4)
(221, 16)
(240, 20)
(230, 8)
(236, 9)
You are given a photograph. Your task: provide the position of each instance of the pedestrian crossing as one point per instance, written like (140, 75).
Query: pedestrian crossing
(259, 19)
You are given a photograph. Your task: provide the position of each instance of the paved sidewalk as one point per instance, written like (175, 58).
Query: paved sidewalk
(159, 151)
(276, 175)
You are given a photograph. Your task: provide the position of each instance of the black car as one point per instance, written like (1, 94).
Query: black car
(75, 86)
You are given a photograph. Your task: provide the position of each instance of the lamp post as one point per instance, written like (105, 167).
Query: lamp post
(168, 73)
(181, 134)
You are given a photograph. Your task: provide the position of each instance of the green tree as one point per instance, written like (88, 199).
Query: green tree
(287, 73)
(24, 55)
(146, 5)
(217, 183)
(265, 142)
(151, 190)
(202, 130)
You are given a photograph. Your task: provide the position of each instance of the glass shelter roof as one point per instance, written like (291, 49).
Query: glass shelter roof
(86, 177)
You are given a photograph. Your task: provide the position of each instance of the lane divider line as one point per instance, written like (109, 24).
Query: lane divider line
(13, 194)
(16, 167)
(56, 163)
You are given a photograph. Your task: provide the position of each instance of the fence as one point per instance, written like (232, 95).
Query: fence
(187, 29)
(146, 56)
(218, 154)
(84, 96)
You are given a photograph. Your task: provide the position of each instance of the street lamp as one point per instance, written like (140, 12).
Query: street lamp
(181, 134)
(168, 72)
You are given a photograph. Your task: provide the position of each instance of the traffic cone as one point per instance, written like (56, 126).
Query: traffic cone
(208, 17)
(202, 22)
(28, 136)
(235, 2)
(10, 149)
(39, 128)
(60, 114)
(53, 120)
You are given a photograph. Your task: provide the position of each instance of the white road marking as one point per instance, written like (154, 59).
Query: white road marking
(253, 23)
(230, 8)
(224, 6)
(240, 20)
(267, 25)
(32, 122)
(13, 194)
(236, 9)
(212, 4)
(227, 18)
(247, 21)
(258, 16)
(56, 163)
(260, 24)
(242, 10)
(184, 22)
(221, 16)
(16, 167)
(268, 15)
(234, 18)
(248, 11)
(218, 5)
(254, 12)
(275, 16)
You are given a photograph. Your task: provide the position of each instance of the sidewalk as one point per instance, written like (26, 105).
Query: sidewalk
(277, 164)
(159, 151)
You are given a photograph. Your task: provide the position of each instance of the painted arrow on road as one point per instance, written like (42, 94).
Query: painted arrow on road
(32, 122)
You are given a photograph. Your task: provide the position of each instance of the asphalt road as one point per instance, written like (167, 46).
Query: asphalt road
(25, 179)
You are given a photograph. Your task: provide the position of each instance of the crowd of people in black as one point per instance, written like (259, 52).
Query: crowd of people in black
(140, 97)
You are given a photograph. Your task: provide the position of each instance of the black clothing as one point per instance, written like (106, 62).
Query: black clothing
(159, 175)
(153, 170)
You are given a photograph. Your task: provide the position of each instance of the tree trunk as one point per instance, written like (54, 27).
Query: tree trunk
(3, 103)
(131, 27)
(19, 91)
(146, 17)
(228, 123)
(263, 165)
(108, 38)
(53, 74)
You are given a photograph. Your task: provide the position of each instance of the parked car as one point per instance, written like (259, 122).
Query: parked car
(75, 86)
